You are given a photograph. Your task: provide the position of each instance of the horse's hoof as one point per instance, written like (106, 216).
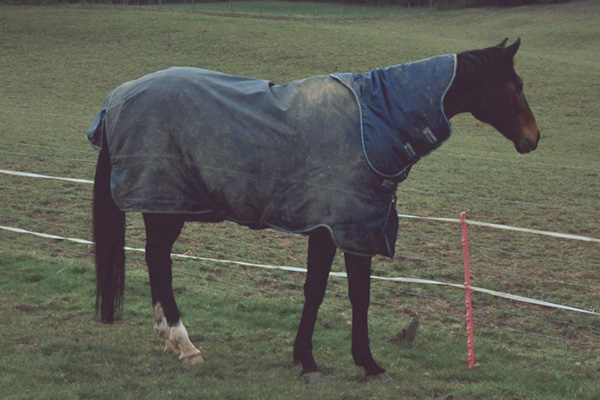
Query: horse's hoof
(192, 359)
(312, 377)
(169, 348)
(382, 377)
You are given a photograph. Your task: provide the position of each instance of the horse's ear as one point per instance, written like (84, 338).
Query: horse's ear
(511, 50)
(502, 44)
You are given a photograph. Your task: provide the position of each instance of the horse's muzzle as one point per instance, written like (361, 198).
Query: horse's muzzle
(528, 143)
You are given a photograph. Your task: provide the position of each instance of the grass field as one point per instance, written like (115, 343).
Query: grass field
(57, 63)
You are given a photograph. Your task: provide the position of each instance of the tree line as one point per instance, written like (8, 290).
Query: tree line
(406, 3)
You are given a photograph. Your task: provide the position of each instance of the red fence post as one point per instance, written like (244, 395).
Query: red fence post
(468, 297)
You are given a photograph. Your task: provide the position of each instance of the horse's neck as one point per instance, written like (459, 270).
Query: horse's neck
(463, 91)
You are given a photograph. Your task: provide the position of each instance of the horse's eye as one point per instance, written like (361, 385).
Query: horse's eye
(519, 85)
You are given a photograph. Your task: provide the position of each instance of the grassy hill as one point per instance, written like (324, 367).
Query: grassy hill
(57, 64)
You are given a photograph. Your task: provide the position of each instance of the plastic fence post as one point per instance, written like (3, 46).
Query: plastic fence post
(468, 297)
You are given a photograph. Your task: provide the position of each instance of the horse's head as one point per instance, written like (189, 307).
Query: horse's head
(500, 100)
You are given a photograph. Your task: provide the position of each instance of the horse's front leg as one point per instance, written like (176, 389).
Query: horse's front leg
(321, 250)
(359, 287)
(161, 232)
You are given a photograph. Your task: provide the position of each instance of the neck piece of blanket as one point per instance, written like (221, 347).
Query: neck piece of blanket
(402, 113)
(325, 151)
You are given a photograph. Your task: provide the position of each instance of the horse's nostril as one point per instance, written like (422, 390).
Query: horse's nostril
(531, 142)
(528, 142)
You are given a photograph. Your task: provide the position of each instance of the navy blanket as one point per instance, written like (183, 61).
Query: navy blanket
(326, 151)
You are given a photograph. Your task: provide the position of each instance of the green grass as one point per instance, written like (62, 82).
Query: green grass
(296, 9)
(246, 344)
(57, 64)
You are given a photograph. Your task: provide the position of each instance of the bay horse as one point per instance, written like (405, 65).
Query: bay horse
(320, 157)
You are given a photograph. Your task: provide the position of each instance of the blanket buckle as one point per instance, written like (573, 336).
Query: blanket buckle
(388, 184)
(428, 133)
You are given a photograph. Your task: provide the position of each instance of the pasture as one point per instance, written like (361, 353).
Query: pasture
(57, 63)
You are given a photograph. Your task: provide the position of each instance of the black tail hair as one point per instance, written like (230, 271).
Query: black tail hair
(109, 237)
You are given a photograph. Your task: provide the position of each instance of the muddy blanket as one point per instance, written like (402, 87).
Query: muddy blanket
(326, 151)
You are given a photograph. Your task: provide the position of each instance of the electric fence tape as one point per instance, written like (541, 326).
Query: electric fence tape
(336, 274)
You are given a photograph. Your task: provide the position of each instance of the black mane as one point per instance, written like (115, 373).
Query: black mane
(472, 64)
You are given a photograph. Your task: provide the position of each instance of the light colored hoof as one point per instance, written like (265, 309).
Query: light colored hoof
(383, 377)
(170, 348)
(192, 359)
(312, 377)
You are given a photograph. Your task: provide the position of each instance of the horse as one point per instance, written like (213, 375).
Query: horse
(321, 157)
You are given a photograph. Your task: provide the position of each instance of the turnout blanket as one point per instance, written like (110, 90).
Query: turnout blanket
(326, 151)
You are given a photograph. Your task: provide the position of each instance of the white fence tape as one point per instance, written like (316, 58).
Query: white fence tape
(507, 227)
(452, 220)
(337, 274)
(30, 175)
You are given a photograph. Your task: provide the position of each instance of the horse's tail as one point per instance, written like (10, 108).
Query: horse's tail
(109, 236)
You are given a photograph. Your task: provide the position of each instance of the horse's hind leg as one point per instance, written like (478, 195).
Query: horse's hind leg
(161, 232)
(321, 250)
